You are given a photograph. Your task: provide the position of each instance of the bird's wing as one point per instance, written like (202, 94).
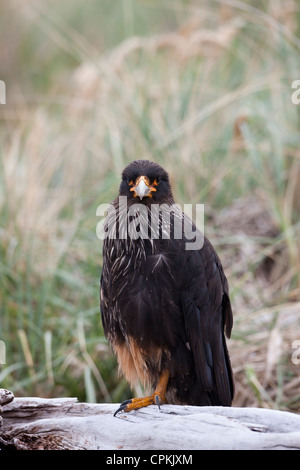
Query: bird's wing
(207, 312)
(105, 290)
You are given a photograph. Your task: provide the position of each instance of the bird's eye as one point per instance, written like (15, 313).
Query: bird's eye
(157, 181)
(129, 181)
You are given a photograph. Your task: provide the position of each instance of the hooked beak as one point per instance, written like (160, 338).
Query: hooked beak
(142, 187)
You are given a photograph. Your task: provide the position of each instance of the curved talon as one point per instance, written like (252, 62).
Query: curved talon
(156, 397)
(118, 410)
(122, 406)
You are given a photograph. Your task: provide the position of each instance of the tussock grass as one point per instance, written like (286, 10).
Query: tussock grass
(206, 92)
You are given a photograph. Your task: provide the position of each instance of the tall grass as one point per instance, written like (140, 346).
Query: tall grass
(204, 90)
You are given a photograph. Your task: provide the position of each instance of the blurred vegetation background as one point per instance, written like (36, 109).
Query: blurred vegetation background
(202, 87)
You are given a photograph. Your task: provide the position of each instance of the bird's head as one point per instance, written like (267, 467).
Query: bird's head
(146, 181)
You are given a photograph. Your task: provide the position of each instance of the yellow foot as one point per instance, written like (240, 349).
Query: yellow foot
(158, 397)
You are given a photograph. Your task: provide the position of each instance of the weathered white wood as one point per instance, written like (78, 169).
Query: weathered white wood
(37, 423)
(6, 396)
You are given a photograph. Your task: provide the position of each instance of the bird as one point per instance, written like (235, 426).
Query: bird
(165, 309)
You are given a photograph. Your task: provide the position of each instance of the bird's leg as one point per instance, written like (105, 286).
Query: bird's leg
(158, 397)
(160, 391)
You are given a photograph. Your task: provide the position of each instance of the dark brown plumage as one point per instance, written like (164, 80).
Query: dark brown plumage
(164, 308)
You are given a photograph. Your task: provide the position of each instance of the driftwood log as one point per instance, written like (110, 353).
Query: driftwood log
(38, 423)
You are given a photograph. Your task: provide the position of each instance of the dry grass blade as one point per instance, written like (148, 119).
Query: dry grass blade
(273, 355)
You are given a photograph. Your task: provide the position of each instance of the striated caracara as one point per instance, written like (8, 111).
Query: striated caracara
(164, 308)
